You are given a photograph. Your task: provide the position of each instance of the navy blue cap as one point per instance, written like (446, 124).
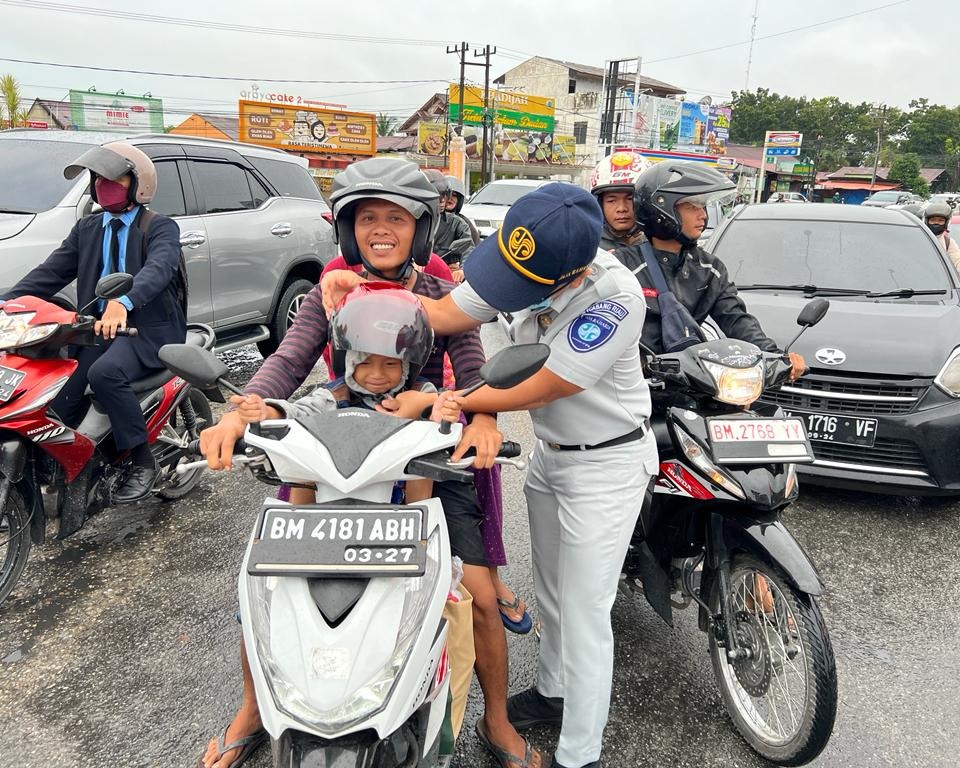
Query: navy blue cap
(548, 238)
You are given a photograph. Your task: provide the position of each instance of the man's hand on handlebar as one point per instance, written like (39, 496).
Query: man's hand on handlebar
(114, 318)
(482, 435)
(798, 366)
(217, 442)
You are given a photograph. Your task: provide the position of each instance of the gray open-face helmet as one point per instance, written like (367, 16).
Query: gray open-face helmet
(458, 190)
(938, 209)
(396, 181)
(112, 161)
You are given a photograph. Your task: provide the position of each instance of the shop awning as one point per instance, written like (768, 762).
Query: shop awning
(877, 185)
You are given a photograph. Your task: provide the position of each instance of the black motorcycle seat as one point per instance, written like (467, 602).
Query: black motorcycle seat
(158, 379)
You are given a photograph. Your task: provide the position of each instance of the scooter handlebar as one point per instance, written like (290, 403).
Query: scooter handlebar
(132, 332)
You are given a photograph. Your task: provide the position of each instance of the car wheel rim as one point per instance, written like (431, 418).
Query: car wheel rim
(294, 308)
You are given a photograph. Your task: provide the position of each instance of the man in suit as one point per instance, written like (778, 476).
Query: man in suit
(122, 180)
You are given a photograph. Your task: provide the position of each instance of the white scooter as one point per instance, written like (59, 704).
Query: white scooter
(341, 601)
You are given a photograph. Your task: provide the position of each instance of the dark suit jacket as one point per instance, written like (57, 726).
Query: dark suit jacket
(156, 312)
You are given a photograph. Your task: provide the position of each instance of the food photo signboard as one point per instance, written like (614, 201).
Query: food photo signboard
(300, 128)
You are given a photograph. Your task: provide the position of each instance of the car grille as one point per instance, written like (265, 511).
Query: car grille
(824, 393)
(887, 454)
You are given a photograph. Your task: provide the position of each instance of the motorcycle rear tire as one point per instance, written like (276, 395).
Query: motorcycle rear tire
(819, 708)
(13, 518)
(176, 486)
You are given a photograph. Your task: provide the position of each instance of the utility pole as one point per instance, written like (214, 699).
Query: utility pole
(876, 156)
(461, 51)
(753, 36)
(486, 157)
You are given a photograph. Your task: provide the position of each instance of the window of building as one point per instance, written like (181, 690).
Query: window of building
(571, 86)
(580, 132)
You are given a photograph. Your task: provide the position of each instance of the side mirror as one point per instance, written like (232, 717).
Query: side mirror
(513, 365)
(813, 312)
(114, 285)
(198, 366)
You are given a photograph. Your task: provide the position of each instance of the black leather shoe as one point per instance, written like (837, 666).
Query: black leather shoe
(555, 764)
(136, 485)
(531, 707)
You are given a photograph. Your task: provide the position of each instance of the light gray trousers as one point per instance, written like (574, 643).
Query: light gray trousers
(583, 506)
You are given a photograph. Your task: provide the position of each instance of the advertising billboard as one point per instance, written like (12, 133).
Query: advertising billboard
(658, 122)
(296, 127)
(518, 111)
(508, 145)
(92, 111)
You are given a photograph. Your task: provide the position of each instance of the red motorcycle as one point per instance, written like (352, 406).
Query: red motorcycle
(78, 466)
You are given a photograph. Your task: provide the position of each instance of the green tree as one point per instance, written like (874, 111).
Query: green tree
(386, 125)
(10, 95)
(905, 168)
(928, 129)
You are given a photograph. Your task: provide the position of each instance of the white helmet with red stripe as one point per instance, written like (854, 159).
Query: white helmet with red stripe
(618, 171)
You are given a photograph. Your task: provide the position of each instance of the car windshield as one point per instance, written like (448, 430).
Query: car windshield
(32, 173)
(882, 197)
(832, 254)
(500, 194)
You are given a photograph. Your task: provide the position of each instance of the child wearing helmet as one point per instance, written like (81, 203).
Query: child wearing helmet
(381, 339)
(385, 215)
(118, 239)
(612, 184)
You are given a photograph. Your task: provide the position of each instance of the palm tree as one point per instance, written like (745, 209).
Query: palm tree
(386, 125)
(10, 95)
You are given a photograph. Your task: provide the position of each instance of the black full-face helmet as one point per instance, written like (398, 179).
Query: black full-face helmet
(659, 189)
(397, 181)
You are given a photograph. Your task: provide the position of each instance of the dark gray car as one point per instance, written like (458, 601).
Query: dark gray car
(251, 222)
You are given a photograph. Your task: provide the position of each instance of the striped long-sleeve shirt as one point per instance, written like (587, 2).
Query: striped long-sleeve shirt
(287, 368)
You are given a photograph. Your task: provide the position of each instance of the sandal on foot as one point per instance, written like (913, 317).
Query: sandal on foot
(521, 627)
(504, 758)
(247, 746)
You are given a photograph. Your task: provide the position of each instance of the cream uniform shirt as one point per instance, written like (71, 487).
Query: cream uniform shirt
(593, 332)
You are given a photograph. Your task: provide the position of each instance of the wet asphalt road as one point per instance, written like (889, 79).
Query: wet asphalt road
(119, 646)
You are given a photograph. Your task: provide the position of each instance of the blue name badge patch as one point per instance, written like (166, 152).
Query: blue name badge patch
(590, 331)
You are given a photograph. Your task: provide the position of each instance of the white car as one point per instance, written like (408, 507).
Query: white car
(488, 206)
(787, 197)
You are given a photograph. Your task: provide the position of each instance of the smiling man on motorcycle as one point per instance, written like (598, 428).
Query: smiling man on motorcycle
(122, 180)
(670, 204)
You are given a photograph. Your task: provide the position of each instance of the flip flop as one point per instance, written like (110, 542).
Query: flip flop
(521, 627)
(506, 759)
(247, 746)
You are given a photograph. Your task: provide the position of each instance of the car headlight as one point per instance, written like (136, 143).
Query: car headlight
(949, 377)
(372, 695)
(698, 457)
(736, 386)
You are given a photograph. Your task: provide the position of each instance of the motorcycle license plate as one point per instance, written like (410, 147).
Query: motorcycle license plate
(836, 428)
(9, 381)
(750, 440)
(348, 542)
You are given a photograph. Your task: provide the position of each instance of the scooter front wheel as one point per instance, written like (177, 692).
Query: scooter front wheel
(14, 541)
(183, 425)
(782, 694)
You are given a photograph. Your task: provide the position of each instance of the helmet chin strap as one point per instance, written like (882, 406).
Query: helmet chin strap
(402, 276)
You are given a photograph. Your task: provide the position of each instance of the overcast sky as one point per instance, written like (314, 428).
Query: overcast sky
(892, 54)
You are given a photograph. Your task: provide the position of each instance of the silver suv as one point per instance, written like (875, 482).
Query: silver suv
(251, 219)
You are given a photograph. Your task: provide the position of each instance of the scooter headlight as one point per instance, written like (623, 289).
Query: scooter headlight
(16, 331)
(699, 458)
(275, 651)
(736, 386)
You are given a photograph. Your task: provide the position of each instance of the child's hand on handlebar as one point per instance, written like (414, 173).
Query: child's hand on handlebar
(251, 408)
(446, 408)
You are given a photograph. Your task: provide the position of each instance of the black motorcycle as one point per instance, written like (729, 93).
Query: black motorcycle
(710, 533)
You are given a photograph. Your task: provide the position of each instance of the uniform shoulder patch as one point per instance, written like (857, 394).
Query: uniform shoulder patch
(590, 331)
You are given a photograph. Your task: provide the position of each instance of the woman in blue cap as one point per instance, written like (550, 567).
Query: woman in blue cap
(595, 454)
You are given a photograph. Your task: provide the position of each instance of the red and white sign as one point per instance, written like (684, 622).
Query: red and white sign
(37, 124)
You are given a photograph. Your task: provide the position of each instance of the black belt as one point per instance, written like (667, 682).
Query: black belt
(638, 434)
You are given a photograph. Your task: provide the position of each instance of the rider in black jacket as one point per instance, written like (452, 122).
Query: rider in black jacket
(670, 203)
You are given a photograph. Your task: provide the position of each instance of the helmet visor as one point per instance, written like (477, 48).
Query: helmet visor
(702, 201)
(103, 162)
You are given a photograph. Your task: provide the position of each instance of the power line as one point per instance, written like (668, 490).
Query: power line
(115, 70)
(35, 5)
